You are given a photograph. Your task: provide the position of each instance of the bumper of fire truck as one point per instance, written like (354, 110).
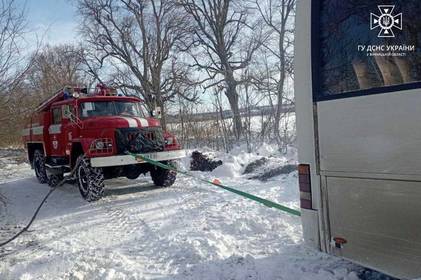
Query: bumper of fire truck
(129, 159)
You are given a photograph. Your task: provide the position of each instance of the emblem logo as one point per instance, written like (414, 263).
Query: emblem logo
(386, 21)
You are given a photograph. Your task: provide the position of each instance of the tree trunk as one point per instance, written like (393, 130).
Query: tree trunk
(232, 96)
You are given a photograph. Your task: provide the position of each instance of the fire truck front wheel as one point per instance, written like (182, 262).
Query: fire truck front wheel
(39, 166)
(163, 177)
(90, 180)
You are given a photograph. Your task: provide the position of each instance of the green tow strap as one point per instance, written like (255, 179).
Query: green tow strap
(261, 200)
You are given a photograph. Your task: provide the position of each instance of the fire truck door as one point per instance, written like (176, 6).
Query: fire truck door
(70, 128)
(55, 132)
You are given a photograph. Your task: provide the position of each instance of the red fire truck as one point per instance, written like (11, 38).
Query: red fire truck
(100, 131)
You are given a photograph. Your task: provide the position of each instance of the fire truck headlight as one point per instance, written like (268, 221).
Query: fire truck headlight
(169, 140)
(99, 145)
(102, 145)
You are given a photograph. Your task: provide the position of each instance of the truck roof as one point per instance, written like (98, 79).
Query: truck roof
(59, 98)
(99, 98)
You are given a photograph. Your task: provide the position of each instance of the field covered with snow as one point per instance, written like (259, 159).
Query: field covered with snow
(191, 230)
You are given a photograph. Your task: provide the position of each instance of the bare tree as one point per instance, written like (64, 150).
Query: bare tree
(55, 67)
(278, 16)
(12, 27)
(13, 66)
(138, 40)
(218, 26)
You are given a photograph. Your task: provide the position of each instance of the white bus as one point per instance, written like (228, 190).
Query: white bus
(358, 102)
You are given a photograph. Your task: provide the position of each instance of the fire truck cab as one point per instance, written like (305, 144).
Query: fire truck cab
(100, 131)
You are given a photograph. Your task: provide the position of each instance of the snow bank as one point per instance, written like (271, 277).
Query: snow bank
(236, 161)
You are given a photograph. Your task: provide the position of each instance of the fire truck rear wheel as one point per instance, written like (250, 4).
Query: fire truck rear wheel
(90, 180)
(39, 166)
(163, 177)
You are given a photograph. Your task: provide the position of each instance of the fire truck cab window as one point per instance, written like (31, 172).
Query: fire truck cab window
(110, 108)
(68, 111)
(125, 108)
(368, 44)
(57, 116)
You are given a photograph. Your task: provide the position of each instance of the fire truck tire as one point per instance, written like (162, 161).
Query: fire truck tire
(90, 180)
(163, 177)
(39, 166)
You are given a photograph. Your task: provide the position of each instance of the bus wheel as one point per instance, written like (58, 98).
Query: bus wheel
(90, 180)
(163, 177)
(39, 166)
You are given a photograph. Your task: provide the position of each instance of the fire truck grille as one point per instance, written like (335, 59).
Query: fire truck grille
(139, 140)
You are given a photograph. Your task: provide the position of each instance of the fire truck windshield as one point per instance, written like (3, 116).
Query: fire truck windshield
(110, 108)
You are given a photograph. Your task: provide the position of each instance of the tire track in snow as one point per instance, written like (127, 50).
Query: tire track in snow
(121, 223)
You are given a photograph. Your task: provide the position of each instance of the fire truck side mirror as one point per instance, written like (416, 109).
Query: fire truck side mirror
(157, 112)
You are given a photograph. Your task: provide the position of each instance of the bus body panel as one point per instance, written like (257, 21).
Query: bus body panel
(369, 153)
(305, 122)
(378, 134)
(380, 221)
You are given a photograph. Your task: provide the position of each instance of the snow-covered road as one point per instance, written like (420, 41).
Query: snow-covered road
(188, 231)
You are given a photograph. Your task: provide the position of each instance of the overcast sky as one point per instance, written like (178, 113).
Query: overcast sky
(53, 21)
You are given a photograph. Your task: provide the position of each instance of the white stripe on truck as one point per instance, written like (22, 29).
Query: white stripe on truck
(37, 130)
(143, 122)
(132, 122)
(54, 129)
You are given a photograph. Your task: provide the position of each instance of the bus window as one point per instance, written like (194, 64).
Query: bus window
(365, 45)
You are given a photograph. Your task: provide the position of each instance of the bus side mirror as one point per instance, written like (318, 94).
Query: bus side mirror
(157, 112)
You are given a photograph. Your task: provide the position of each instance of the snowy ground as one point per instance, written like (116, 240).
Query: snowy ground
(188, 231)
(13, 165)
